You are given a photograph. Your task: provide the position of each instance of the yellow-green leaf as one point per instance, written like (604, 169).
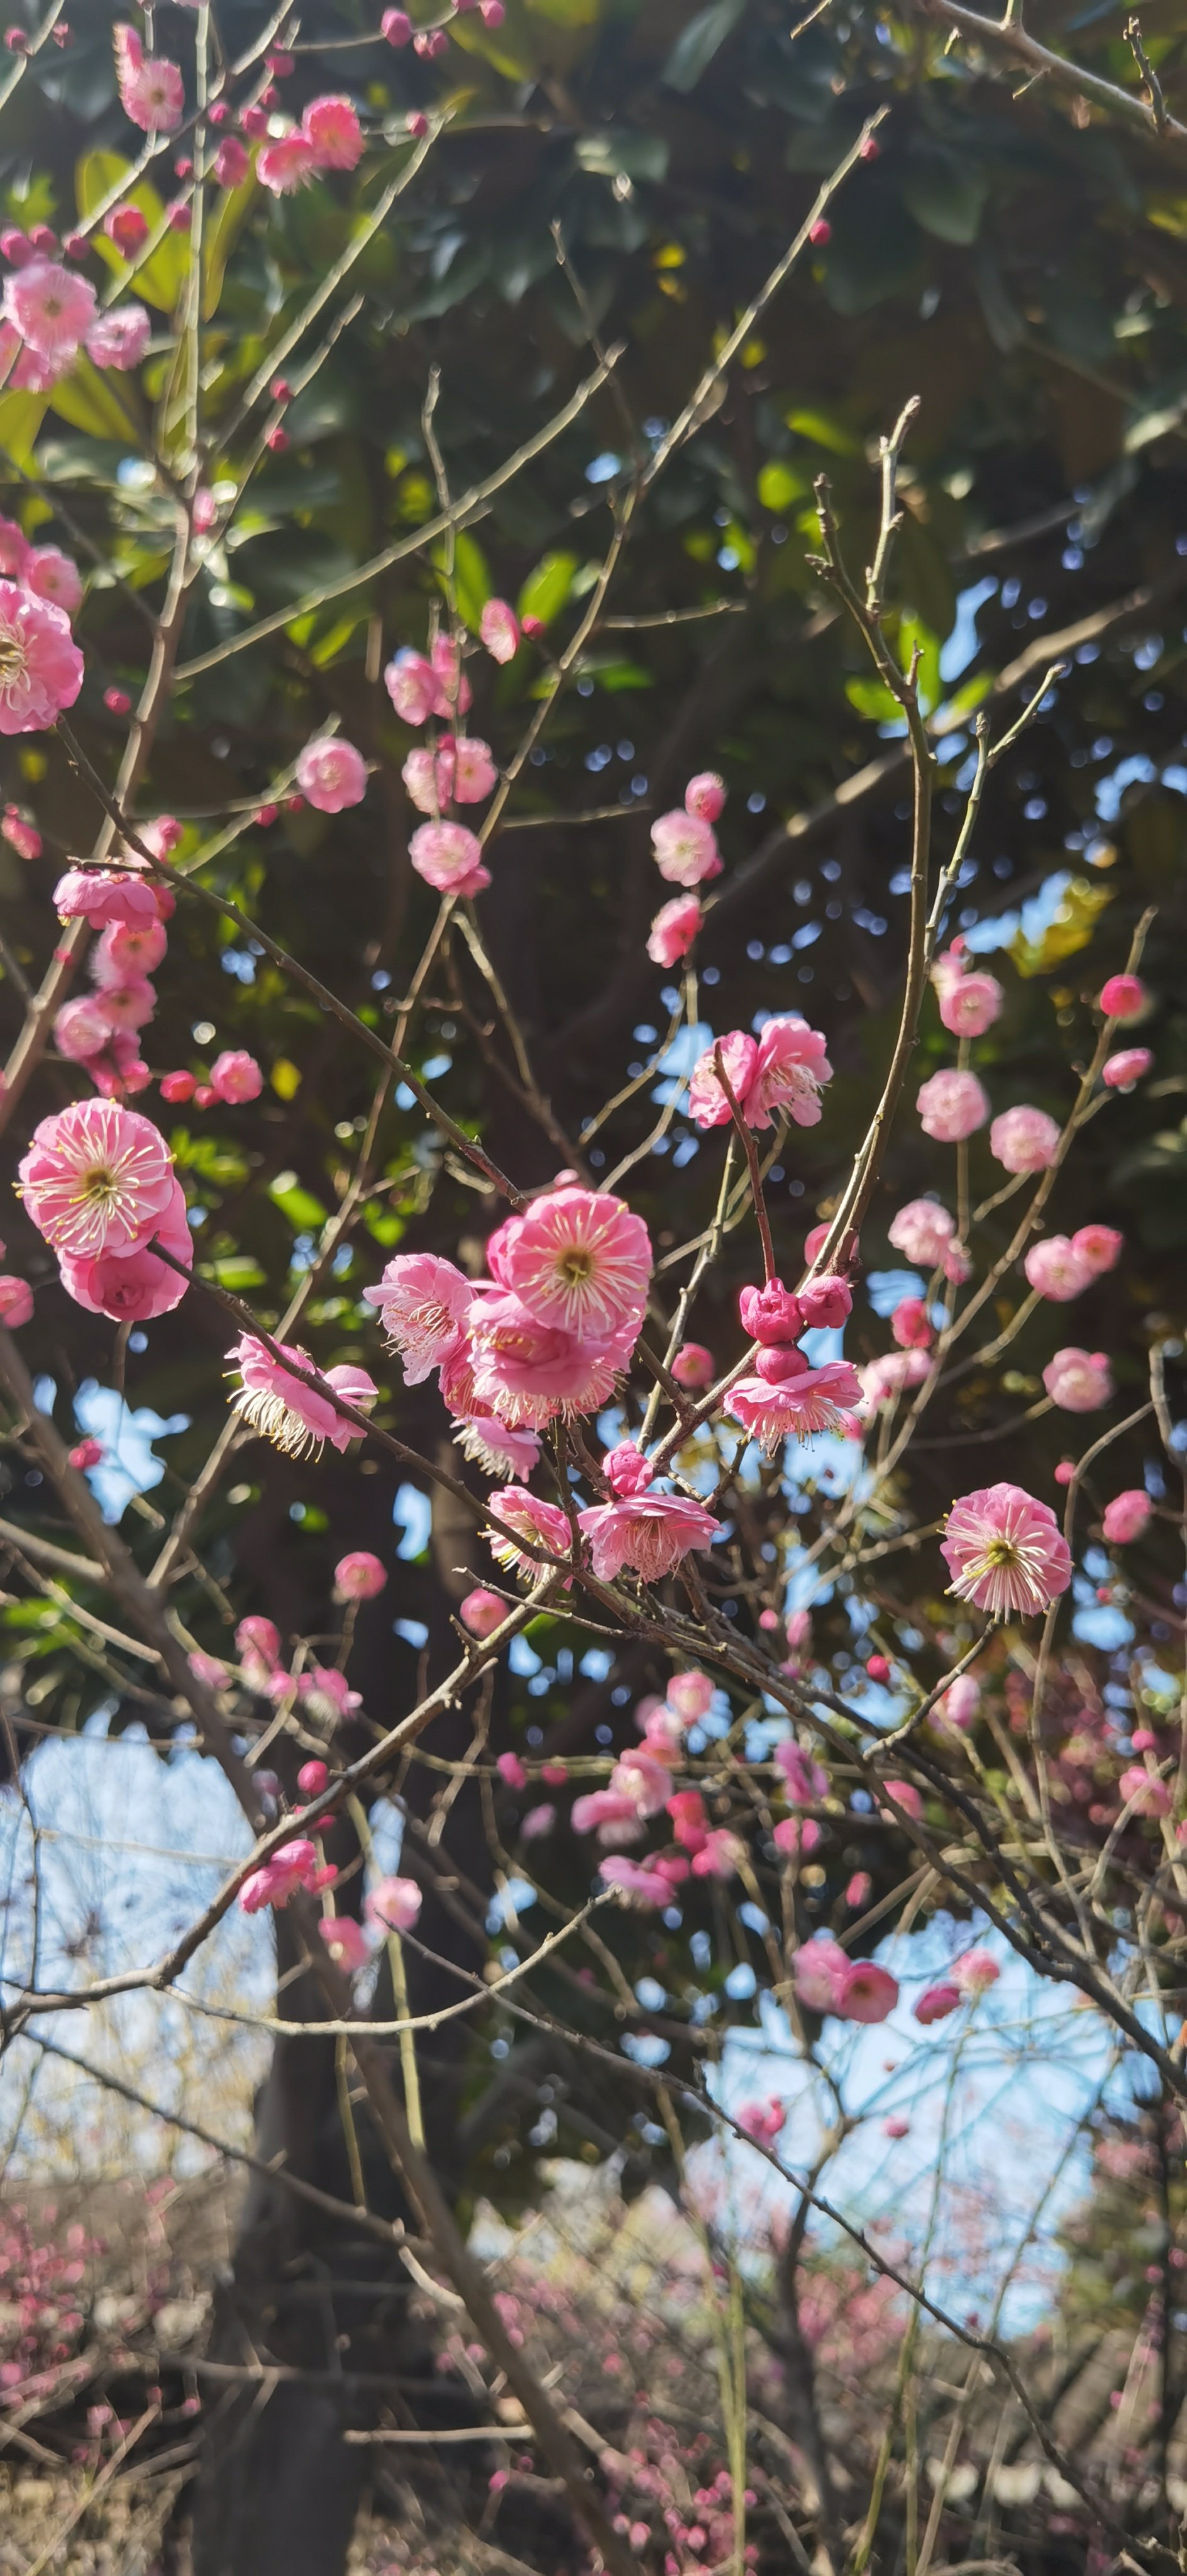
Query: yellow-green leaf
(779, 485)
(1066, 933)
(219, 241)
(547, 588)
(471, 576)
(89, 402)
(21, 416)
(285, 1078)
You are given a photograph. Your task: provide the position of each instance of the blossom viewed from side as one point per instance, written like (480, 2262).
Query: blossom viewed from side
(41, 667)
(1005, 1551)
(1126, 1516)
(674, 929)
(647, 1532)
(798, 1409)
(423, 1302)
(293, 1416)
(1078, 1381)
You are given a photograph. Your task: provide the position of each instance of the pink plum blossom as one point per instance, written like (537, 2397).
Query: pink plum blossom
(520, 1516)
(805, 1782)
(969, 1001)
(537, 1822)
(105, 895)
(286, 164)
(346, 1942)
(707, 1102)
(16, 1301)
(1126, 1516)
(825, 1301)
(496, 1447)
(798, 1409)
(960, 1703)
(151, 89)
(1124, 998)
(693, 1366)
(673, 930)
(691, 1695)
(423, 1303)
(888, 1376)
(1005, 1551)
(1099, 1247)
(499, 628)
(119, 337)
(1056, 1269)
(794, 1836)
(721, 1855)
(482, 1612)
(783, 1068)
(952, 1106)
(581, 1259)
(865, 1992)
(50, 306)
(911, 1325)
(1078, 1381)
(80, 1029)
(332, 130)
(1129, 1066)
(649, 1533)
(763, 2121)
(684, 847)
(21, 836)
(331, 774)
(975, 1973)
(393, 1905)
(257, 1643)
(128, 1005)
(296, 1417)
(359, 1576)
(937, 2003)
(97, 1178)
(294, 1865)
(55, 576)
(449, 857)
(231, 162)
(626, 1470)
(133, 1287)
(14, 550)
(526, 1371)
(414, 688)
(633, 1879)
(1024, 1140)
(705, 795)
(312, 1778)
(924, 1231)
(1144, 1793)
(610, 1814)
(771, 1315)
(125, 951)
(40, 664)
(817, 1969)
(235, 1076)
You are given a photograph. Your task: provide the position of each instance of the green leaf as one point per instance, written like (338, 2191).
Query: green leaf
(87, 401)
(547, 588)
(219, 241)
(21, 416)
(946, 194)
(622, 151)
(779, 485)
(471, 576)
(874, 701)
(824, 430)
(235, 1270)
(305, 1213)
(704, 36)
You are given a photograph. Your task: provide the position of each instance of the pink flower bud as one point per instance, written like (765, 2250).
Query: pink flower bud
(491, 12)
(418, 127)
(877, 1668)
(825, 1301)
(1125, 1518)
(254, 120)
(693, 1365)
(482, 1612)
(937, 2003)
(87, 1453)
(396, 26)
(626, 1470)
(277, 439)
(359, 1576)
(1129, 1065)
(16, 1302)
(178, 1086)
(312, 1778)
(127, 227)
(770, 1315)
(705, 795)
(510, 1769)
(117, 702)
(780, 1363)
(1124, 998)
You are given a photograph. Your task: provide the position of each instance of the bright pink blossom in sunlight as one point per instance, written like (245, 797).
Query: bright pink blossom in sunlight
(499, 628)
(648, 1533)
(231, 162)
(693, 1366)
(705, 795)
(119, 337)
(526, 1371)
(960, 1703)
(1056, 1269)
(721, 1856)
(465, 768)
(1126, 1516)
(482, 1612)
(936, 2004)
(97, 1178)
(346, 1942)
(923, 1230)
(791, 1066)
(1144, 1793)
(454, 692)
(50, 306)
(1024, 1140)
(763, 2121)
(911, 1325)
(152, 92)
(359, 1576)
(312, 1778)
(901, 1793)
(331, 774)
(1078, 1381)
(132, 1287)
(55, 576)
(865, 1992)
(771, 1314)
(626, 1470)
(673, 930)
(393, 1905)
(525, 1517)
(691, 1695)
(496, 1448)
(104, 896)
(825, 1301)
(332, 130)
(423, 1303)
(690, 1824)
(798, 1409)
(1129, 1066)
(1124, 998)
(126, 1006)
(40, 664)
(414, 688)
(952, 1106)
(581, 1259)
(707, 1103)
(286, 164)
(889, 1376)
(449, 857)
(235, 1076)
(1005, 1552)
(684, 847)
(294, 1865)
(974, 1973)
(16, 1301)
(293, 1416)
(817, 1969)
(633, 1879)
(1099, 1247)
(969, 1001)
(126, 950)
(639, 1776)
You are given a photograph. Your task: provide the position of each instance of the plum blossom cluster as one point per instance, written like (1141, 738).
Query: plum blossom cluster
(452, 768)
(51, 317)
(100, 1031)
(98, 1183)
(41, 666)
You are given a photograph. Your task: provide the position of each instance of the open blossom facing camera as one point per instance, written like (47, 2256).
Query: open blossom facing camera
(1056, 1269)
(1126, 1516)
(152, 92)
(799, 1407)
(924, 1231)
(648, 1533)
(952, 1106)
(1024, 1140)
(331, 774)
(969, 1001)
(1129, 1066)
(295, 1417)
(449, 857)
(393, 1905)
(684, 847)
(40, 664)
(1006, 1552)
(1078, 1381)
(97, 1178)
(50, 306)
(579, 1258)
